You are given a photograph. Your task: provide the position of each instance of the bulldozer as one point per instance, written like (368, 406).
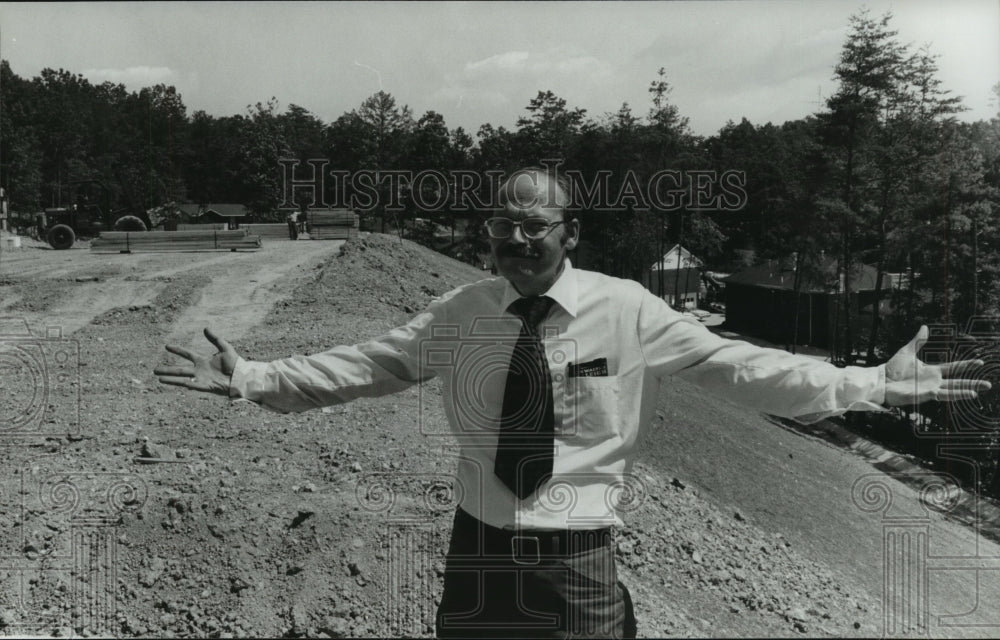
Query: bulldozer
(61, 226)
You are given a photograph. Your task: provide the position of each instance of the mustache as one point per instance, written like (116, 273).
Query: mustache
(515, 252)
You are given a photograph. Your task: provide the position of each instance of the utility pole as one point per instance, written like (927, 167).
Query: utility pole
(796, 296)
(660, 262)
(677, 271)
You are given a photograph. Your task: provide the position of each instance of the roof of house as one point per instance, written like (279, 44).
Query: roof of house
(226, 210)
(669, 259)
(775, 274)
(190, 209)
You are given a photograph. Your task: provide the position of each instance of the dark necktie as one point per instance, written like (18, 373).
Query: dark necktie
(527, 423)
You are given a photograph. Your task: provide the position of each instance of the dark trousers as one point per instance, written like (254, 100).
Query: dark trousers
(494, 588)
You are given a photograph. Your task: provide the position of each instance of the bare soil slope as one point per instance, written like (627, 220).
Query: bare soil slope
(331, 523)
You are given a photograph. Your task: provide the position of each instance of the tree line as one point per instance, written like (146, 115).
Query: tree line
(883, 174)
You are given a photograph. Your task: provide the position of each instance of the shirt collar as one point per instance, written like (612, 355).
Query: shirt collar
(563, 291)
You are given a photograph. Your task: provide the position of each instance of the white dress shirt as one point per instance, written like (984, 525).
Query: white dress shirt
(621, 340)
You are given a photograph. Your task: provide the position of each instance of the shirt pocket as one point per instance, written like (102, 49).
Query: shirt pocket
(590, 410)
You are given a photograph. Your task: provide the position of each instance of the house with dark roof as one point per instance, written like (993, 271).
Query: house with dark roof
(189, 211)
(213, 213)
(231, 214)
(761, 300)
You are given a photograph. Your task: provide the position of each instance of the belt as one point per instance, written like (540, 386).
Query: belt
(529, 546)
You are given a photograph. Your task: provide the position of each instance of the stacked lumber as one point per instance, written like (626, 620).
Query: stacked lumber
(332, 224)
(270, 231)
(333, 233)
(194, 226)
(130, 241)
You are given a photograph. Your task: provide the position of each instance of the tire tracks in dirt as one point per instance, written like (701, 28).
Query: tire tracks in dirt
(240, 295)
(244, 285)
(93, 299)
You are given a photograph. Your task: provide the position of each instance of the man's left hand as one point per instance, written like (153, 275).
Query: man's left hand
(910, 381)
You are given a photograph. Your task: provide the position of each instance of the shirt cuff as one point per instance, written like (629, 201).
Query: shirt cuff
(862, 389)
(246, 380)
(874, 399)
(878, 395)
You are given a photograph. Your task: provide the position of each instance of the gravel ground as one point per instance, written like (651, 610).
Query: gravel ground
(240, 522)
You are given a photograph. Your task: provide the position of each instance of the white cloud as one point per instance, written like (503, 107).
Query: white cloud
(557, 60)
(509, 61)
(493, 87)
(132, 76)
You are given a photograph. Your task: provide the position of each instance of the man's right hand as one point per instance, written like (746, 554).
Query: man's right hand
(210, 373)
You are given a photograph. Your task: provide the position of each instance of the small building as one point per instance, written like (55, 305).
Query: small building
(761, 300)
(676, 277)
(189, 212)
(231, 214)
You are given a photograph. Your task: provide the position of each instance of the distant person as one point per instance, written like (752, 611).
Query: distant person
(587, 354)
(293, 225)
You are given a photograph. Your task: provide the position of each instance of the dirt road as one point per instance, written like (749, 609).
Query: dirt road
(243, 285)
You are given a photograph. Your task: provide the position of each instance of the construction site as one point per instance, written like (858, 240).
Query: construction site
(823, 180)
(144, 511)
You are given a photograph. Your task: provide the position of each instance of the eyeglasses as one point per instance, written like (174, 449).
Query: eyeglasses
(531, 228)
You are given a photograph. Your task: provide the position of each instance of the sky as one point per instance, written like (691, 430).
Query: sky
(765, 60)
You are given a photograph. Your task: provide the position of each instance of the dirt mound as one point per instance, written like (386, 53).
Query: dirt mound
(334, 523)
(375, 283)
(383, 277)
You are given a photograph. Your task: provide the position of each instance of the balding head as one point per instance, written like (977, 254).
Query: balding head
(535, 187)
